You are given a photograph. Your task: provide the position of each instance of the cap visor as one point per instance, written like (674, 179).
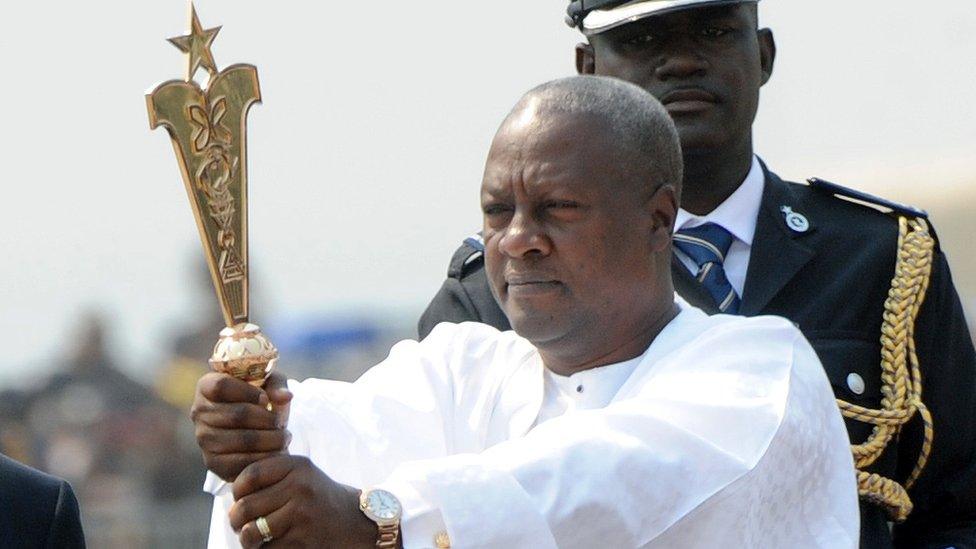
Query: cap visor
(598, 21)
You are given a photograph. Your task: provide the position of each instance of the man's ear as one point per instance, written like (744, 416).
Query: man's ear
(585, 60)
(767, 53)
(663, 210)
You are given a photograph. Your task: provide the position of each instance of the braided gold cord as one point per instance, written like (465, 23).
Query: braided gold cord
(884, 492)
(901, 390)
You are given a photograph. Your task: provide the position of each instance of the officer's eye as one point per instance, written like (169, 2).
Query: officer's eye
(638, 40)
(715, 32)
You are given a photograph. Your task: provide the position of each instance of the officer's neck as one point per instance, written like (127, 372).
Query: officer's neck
(711, 176)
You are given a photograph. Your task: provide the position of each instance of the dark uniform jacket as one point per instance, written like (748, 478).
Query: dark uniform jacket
(832, 280)
(36, 510)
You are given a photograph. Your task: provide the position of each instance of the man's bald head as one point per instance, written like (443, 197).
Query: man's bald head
(647, 148)
(579, 199)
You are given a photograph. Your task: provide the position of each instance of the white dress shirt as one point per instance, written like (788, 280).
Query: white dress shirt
(587, 390)
(724, 433)
(738, 215)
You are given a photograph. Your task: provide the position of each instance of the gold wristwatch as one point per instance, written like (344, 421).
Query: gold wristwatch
(385, 510)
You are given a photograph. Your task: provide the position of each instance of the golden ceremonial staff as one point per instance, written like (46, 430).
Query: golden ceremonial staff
(208, 128)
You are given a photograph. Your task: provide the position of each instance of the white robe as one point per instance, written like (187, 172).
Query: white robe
(725, 434)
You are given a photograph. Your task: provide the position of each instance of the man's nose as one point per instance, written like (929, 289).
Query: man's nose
(680, 61)
(524, 237)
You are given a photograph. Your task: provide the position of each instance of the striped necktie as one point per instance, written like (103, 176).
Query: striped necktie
(707, 245)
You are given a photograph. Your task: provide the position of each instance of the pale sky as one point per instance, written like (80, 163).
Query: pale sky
(366, 156)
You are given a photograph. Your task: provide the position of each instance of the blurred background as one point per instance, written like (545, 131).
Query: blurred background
(365, 160)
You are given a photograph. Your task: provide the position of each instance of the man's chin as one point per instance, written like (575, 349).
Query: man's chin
(535, 326)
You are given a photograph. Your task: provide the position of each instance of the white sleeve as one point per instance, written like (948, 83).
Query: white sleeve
(746, 445)
(221, 534)
(400, 410)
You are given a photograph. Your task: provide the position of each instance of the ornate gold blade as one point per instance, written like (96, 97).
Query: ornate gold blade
(208, 128)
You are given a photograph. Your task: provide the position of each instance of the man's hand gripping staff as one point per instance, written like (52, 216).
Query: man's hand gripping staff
(238, 424)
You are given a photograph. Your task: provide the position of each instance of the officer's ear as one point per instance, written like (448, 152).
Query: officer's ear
(767, 53)
(585, 60)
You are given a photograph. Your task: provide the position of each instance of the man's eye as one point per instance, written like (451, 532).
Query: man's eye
(561, 204)
(496, 209)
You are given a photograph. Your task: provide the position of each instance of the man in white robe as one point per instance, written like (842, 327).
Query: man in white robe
(613, 416)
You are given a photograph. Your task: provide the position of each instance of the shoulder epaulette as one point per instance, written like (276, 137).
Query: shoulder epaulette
(860, 196)
(470, 252)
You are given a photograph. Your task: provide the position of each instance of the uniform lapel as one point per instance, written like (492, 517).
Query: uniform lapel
(690, 289)
(778, 252)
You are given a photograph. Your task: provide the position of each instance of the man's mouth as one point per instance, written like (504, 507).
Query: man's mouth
(688, 100)
(529, 285)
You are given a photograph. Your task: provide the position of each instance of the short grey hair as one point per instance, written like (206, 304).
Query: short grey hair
(638, 119)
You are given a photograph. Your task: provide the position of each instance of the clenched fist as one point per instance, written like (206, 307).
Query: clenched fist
(301, 505)
(235, 426)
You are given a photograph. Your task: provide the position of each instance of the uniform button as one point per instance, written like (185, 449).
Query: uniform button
(579, 388)
(855, 383)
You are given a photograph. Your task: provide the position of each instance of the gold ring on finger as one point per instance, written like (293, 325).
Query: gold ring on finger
(262, 524)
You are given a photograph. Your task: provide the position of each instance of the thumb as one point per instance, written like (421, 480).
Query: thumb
(276, 386)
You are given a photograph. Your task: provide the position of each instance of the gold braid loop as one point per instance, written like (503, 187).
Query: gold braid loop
(886, 493)
(901, 378)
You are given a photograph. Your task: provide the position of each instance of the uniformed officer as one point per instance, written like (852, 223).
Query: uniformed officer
(844, 266)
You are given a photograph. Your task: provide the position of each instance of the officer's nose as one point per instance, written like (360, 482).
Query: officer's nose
(682, 61)
(524, 237)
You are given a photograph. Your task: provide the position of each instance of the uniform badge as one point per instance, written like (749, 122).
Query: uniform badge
(797, 222)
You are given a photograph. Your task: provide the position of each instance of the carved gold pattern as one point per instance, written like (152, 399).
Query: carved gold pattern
(245, 353)
(213, 141)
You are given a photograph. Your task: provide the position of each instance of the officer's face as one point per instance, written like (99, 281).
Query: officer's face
(706, 65)
(573, 246)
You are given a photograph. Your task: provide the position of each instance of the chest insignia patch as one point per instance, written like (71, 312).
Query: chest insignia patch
(797, 222)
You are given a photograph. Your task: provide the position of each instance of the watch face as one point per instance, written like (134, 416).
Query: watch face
(383, 504)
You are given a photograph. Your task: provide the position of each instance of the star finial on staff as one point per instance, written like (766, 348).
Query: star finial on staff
(196, 45)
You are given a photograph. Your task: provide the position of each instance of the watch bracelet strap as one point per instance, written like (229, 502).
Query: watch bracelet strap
(388, 535)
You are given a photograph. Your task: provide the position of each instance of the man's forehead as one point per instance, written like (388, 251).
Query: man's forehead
(597, 16)
(558, 158)
(541, 128)
(528, 116)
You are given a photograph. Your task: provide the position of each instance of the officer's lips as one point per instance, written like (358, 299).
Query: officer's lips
(528, 285)
(688, 100)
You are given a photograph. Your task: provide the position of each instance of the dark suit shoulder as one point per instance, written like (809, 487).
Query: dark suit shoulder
(469, 257)
(21, 482)
(851, 212)
(855, 244)
(848, 226)
(40, 510)
(465, 295)
(834, 212)
(855, 195)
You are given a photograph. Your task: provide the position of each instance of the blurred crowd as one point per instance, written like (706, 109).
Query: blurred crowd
(126, 444)
(126, 447)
